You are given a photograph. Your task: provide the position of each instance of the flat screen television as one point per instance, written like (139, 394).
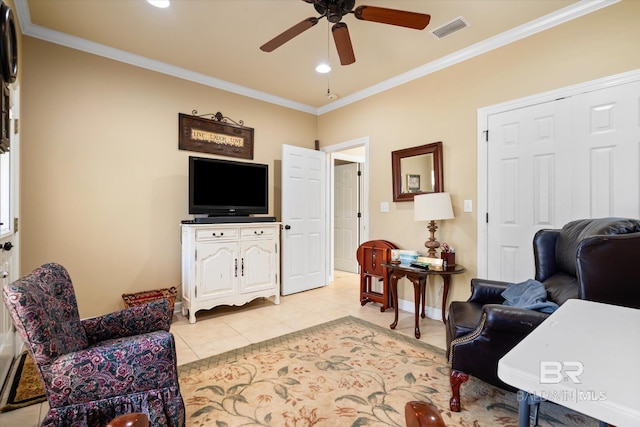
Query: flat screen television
(223, 187)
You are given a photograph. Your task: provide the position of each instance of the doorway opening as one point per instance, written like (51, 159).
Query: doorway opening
(348, 169)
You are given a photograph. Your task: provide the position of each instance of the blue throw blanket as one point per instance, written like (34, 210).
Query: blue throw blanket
(530, 294)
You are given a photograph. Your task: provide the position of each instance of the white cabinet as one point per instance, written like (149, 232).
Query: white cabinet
(229, 264)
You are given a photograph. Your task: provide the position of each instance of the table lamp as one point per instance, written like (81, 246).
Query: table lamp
(432, 207)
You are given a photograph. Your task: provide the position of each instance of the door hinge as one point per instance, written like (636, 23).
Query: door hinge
(16, 127)
(15, 225)
(359, 215)
(195, 289)
(486, 135)
(359, 173)
(487, 217)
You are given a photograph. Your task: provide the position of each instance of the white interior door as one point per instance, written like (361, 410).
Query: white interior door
(529, 183)
(607, 169)
(304, 213)
(345, 219)
(550, 163)
(9, 241)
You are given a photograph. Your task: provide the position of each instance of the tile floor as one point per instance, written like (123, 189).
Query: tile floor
(225, 328)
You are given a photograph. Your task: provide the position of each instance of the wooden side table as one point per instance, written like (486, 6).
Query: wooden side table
(418, 277)
(372, 256)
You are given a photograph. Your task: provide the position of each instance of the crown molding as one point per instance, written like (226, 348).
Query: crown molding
(576, 10)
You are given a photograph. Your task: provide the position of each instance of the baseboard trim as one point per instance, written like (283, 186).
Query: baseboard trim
(409, 306)
(430, 312)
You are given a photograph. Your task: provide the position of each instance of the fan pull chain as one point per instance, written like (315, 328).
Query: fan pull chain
(328, 61)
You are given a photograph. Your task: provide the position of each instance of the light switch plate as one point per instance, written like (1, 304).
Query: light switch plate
(468, 206)
(384, 206)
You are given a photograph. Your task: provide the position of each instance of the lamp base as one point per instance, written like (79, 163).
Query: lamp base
(432, 244)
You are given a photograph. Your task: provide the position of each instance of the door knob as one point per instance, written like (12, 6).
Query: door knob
(4, 274)
(287, 227)
(7, 246)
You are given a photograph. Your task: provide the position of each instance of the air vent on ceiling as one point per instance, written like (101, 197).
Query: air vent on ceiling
(450, 27)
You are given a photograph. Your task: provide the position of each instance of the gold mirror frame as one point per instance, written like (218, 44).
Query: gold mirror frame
(411, 176)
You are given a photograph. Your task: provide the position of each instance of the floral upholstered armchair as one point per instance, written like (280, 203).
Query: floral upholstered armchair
(96, 369)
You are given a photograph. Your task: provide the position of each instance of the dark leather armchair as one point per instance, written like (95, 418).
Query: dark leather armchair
(593, 259)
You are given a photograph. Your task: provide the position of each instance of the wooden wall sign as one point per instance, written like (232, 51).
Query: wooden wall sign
(214, 135)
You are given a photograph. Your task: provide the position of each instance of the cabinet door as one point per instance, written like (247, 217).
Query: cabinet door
(257, 269)
(217, 269)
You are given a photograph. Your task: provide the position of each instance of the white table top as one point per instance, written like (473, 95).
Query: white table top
(600, 340)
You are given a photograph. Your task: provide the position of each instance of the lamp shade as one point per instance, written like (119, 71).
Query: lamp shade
(432, 207)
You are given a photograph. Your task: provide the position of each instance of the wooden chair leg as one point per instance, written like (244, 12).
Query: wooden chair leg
(363, 288)
(456, 379)
(422, 414)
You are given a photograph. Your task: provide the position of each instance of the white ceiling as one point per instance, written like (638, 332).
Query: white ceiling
(216, 42)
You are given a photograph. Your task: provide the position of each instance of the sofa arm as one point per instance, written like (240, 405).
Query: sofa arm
(141, 319)
(501, 328)
(113, 368)
(487, 291)
(512, 319)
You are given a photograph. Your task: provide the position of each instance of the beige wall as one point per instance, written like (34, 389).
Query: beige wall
(443, 107)
(104, 186)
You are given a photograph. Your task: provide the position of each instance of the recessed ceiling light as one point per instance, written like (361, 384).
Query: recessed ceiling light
(323, 68)
(159, 3)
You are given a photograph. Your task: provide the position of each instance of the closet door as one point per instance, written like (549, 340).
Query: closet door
(554, 162)
(606, 167)
(345, 219)
(529, 183)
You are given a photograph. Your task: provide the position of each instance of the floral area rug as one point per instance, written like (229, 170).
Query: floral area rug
(347, 372)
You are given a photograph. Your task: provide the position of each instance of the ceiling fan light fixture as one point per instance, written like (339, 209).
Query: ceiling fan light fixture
(334, 11)
(323, 68)
(159, 3)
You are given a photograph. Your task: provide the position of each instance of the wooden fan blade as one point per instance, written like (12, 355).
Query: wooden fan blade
(401, 18)
(343, 43)
(287, 35)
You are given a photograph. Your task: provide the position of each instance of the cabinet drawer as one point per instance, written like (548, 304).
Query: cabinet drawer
(209, 234)
(257, 231)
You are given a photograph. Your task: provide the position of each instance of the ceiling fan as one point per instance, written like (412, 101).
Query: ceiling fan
(334, 11)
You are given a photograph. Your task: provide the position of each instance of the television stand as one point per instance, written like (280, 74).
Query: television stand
(232, 219)
(229, 264)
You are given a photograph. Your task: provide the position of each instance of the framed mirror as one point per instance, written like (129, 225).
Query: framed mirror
(416, 170)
